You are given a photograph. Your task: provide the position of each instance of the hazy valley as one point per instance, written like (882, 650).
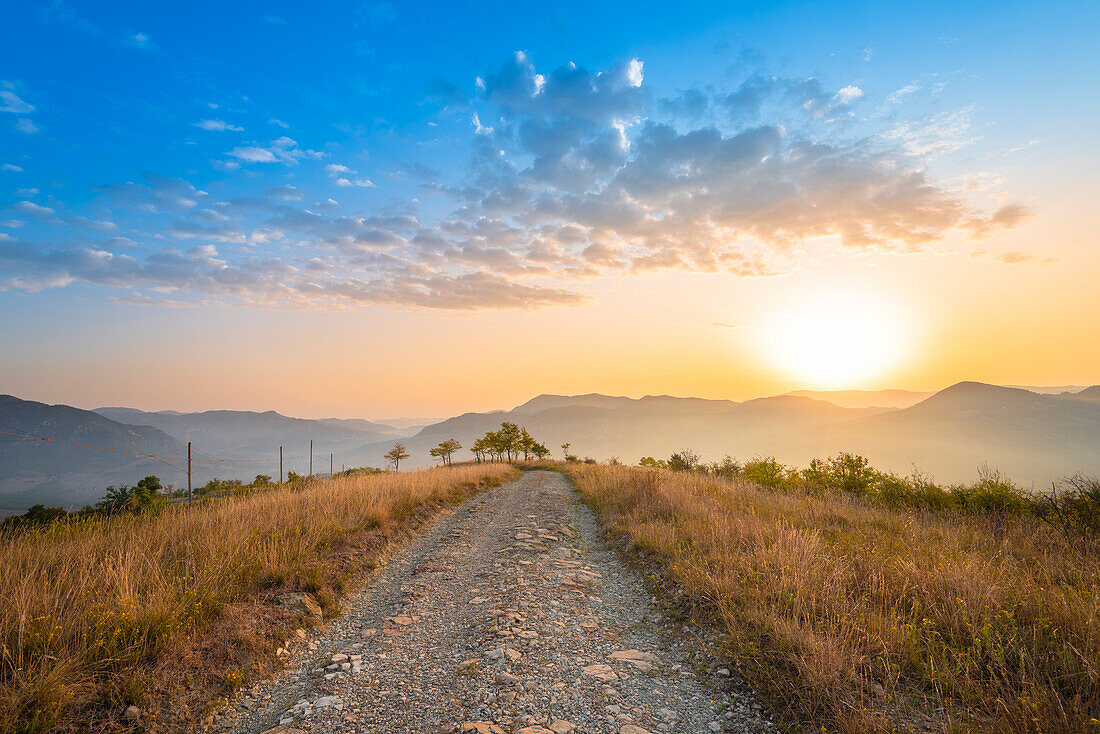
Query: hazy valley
(1033, 438)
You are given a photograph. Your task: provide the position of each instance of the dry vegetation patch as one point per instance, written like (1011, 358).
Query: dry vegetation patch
(166, 611)
(861, 617)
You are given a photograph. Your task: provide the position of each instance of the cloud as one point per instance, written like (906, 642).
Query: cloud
(13, 103)
(897, 96)
(1013, 257)
(925, 137)
(217, 125)
(156, 195)
(336, 171)
(580, 174)
(274, 20)
(480, 129)
(11, 167)
(285, 192)
(26, 126)
(141, 40)
(31, 209)
(361, 182)
(847, 95)
(284, 150)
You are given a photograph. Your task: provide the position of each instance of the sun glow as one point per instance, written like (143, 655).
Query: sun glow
(832, 342)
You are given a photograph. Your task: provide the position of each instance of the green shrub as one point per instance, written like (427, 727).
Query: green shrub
(766, 471)
(1073, 507)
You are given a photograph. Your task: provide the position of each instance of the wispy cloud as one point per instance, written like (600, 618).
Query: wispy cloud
(12, 102)
(217, 125)
(284, 150)
(140, 40)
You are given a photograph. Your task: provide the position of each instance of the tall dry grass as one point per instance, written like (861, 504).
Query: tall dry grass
(91, 607)
(864, 618)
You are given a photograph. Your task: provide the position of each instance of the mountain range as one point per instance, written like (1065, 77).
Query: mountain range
(1032, 437)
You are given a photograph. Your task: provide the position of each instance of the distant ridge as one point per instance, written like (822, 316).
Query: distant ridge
(866, 398)
(1091, 394)
(1033, 438)
(37, 471)
(245, 434)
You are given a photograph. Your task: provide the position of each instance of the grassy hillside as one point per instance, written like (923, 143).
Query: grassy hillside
(168, 611)
(863, 617)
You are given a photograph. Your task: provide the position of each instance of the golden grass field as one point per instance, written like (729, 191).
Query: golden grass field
(856, 617)
(166, 611)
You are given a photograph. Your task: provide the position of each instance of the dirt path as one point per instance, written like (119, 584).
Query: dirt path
(508, 614)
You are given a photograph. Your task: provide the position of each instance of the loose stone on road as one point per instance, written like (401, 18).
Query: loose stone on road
(509, 614)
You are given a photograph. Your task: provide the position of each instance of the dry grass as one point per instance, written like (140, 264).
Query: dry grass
(102, 612)
(863, 618)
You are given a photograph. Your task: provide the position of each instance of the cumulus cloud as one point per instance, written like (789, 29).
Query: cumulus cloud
(580, 173)
(344, 176)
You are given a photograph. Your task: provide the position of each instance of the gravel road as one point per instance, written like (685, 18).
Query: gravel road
(509, 614)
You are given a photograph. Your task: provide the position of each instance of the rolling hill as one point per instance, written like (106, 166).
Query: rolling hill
(1033, 438)
(240, 434)
(40, 472)
(866, 398)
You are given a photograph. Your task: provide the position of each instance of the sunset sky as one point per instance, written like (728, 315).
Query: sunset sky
(379, 209)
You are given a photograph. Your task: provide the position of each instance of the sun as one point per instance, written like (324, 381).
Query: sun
(837, 342)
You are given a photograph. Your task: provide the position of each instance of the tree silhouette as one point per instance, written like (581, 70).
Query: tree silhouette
(508, 443)
(396, 455)
(445, 449)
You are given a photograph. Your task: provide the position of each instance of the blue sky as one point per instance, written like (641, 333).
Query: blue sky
(444, 158)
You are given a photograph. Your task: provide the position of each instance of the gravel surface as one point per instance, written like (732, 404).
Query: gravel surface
(509, 614)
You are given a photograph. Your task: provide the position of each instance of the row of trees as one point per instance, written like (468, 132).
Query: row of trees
(509, 443)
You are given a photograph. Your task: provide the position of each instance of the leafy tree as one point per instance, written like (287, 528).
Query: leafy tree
(765, 471)
(482, 448)
(508, 440)
(262, 480)
(143, 496)
(683, 460)
(35, 515)
(525, 443)
(652, 463)
(565, 450)
(727, 468)
(396, 455)
(445, 450)
(508, 443)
